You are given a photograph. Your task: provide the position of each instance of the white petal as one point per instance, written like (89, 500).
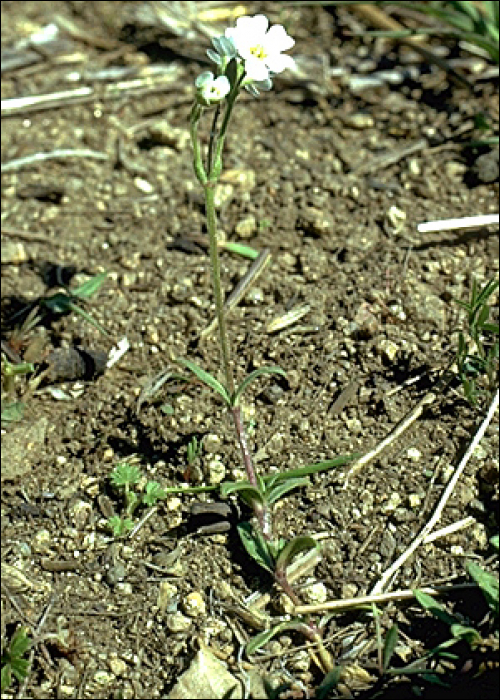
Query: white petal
(279, 62)
(223, 85)
(278, 40)
(204, 78)
(256, 26)
(255, 69)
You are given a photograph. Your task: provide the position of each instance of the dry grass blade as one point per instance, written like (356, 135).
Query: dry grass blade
(389, 574)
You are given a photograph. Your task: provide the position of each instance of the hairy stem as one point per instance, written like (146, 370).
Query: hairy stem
(262, 514)
(215, 269)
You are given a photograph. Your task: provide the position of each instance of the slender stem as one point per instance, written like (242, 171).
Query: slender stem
(215, 268)
(309, 629)
(213, 135)
(195, 142)
(240, 431)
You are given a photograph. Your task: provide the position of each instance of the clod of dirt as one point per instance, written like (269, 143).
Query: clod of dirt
(486, 166)
(69, 364)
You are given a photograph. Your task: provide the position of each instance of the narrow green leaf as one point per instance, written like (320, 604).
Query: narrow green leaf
(495, 542)
(87, 289)
(283, 487)
(329, 683)
(312, 468)
(487, 291)
(264, 637)
(6, 677)
(249, 495)
(81, 312)
(251, 377)
(488, 583)
(57, 303)
(206, 378)
(430, 604)
(294, 547)
(255, 546)
(491, 328)
(468, 634)
(390, 642)
(483, 316)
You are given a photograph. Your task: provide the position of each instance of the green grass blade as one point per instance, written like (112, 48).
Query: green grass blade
(391, 640)
(207, 379)
(312, 468)
(273, 494)
(294, 547)
(430, 604)
(251, 377)
(255, 546)
(488, 583)
(87, 289)
(78, 310)
(248, 493)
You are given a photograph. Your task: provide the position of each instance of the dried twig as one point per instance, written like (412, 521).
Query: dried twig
(125, 88)
(389, 574)
(253, 272)
(464, 222)
(386, 159)
(403, 425)
(405, 594)
(18, 163)
(449, 529)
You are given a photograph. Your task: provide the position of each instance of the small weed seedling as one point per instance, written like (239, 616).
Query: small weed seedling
(124, 478)
(477, 354)
(14, 662)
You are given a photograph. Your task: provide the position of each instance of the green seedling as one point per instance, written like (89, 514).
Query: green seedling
(478, 347)
(194, 449)
(70, 300)
(12, 370)
(124, 478)
(14, 663)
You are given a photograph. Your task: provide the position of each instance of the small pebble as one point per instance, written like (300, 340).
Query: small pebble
(194, 605)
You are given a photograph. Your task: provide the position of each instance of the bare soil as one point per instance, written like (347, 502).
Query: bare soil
(307, 176)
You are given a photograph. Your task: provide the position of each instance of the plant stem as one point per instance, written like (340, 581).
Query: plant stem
(247, 458)
(215, 269)
(263, 514)
(309, 629)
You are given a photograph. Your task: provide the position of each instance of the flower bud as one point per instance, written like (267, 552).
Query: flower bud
(211, 90)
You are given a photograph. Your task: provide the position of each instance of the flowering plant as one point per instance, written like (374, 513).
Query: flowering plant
(247, 56)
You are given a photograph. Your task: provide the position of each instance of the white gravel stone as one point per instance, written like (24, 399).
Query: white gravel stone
(194, 604)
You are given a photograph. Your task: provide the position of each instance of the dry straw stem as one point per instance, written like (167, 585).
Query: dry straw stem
(377, 595)
(125, 88)
(406, 594)
(59, 153)
(403, 425)
(463, 223)
(253, 272)
(380, 19)
(389, 574)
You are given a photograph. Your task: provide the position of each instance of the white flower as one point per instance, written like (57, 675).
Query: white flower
(211, 90)
(260, 48)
